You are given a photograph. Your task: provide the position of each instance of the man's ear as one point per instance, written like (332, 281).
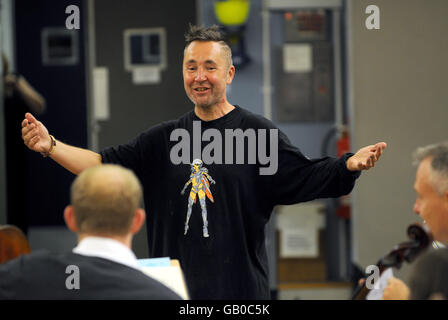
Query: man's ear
(138, 220)
(230, 75)
(69, 217)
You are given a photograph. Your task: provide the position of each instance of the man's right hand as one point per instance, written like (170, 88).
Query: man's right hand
(396, 290)
(35, 135)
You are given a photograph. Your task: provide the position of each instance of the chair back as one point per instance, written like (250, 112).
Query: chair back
(13, 243)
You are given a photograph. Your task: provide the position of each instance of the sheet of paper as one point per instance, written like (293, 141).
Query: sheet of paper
(146, 75)
(297, 57)
(101, 93)
(377, 294)
(154, 262)
(171, 276)
(299, 243)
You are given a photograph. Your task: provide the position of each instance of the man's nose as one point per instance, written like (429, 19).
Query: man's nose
(416, 208)
(200, 75)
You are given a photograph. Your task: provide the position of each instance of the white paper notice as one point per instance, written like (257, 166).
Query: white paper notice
(146, 75)
(303, 215)
(101, 93)
(299, 243)
(297, 58)
(377, 294)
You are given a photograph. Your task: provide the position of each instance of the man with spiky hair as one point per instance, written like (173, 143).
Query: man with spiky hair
(229, 261)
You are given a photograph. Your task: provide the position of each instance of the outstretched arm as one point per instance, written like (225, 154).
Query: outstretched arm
(319, 178)
(36, 137)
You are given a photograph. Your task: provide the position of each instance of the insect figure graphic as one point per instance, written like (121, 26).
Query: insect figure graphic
(200, 187)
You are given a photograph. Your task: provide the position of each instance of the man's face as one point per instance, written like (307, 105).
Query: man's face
(206, 73)
(432, 207)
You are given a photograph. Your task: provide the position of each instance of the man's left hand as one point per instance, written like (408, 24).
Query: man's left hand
(365, 158)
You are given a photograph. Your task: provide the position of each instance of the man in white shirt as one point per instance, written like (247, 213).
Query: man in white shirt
(105, 213)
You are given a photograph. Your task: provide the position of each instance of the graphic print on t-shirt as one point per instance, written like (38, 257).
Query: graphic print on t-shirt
(200, 186)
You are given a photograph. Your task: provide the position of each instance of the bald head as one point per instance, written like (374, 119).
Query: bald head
(105, 199)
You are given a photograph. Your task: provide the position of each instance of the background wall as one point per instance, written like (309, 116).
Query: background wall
(398, 96)
(246, 89)
(64, 89)
(135, 108)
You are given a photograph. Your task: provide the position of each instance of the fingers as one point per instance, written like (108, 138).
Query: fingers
(376, 153)
(28, 124)
(30, 118)
(29, 132)
(33, 141)
(24, 123)
(373, 158)
(382, 145)
(28, 128)
(379, 147)
(368, 161)
(31, 135)
(366, 157)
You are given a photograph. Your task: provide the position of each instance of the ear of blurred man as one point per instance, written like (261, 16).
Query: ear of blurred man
(69, 217)
(137, 221)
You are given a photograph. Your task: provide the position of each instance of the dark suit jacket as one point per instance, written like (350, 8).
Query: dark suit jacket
(42, 275)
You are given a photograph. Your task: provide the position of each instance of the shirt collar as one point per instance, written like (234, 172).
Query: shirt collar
(108, 249)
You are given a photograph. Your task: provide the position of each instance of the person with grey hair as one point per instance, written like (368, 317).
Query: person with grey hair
(105, 213)
(431, 204)
(220, 242)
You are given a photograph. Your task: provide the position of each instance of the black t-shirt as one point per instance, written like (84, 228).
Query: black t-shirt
(232, 262)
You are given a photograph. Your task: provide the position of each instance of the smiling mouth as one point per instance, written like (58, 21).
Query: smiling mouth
(202, 89)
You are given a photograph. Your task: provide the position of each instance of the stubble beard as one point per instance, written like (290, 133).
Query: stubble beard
(206, 106)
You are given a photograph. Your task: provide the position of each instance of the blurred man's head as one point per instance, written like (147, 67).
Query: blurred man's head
(207, 66)
(431, 186)
(105, 201)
